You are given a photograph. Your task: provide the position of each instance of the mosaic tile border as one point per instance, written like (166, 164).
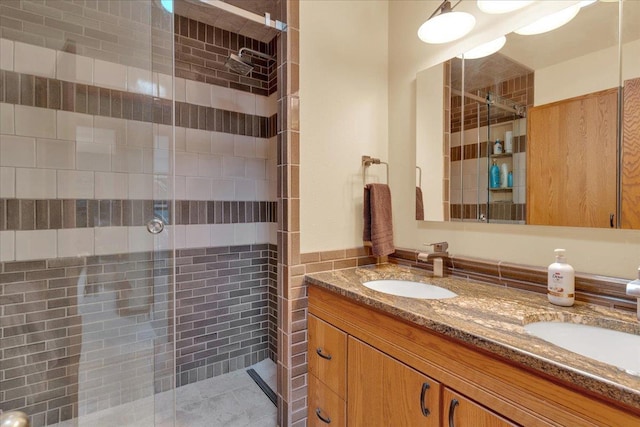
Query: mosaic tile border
(52, 214)
(44, 92)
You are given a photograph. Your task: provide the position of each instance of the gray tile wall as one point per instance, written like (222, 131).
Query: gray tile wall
(114, 31)
(202, 50)
(224, 314)
(79, 335)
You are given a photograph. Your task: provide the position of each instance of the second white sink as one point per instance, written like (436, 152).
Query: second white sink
(615, 348)
(406, 288)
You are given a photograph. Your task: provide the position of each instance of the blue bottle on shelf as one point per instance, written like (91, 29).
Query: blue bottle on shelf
(494, 176)
(510, 180)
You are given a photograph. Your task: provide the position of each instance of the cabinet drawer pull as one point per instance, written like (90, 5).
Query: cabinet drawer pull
(323, 419)
(452, 408)
(424, 409)
(321, 354)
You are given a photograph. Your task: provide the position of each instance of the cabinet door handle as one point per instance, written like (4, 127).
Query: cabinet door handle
(611, 217)
(323, 419)
(321, 354)
(452, 408)
(424, 409)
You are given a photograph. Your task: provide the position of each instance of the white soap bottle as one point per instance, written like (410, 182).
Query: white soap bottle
(561, 281)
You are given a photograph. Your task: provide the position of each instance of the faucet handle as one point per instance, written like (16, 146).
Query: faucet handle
(439, 246)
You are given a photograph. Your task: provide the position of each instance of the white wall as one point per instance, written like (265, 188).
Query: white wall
(583, 75)
(607, 252)
(344, 115)
(343, 91)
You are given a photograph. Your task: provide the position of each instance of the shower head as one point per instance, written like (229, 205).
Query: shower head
(238, 64)
(242, 65)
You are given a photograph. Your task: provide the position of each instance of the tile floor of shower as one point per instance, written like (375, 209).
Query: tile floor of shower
(229, 400)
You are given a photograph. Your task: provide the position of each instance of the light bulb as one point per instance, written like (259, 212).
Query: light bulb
(485, 49)
(446, 27)
(550, 22)
(501, 6)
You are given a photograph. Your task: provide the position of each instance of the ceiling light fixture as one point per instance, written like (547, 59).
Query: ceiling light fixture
(485, 49)
(444, 25)
(550, 22)
(495, 7)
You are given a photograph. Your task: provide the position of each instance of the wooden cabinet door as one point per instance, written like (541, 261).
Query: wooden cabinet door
(572, 161)
(630, 215)
(384, 392)
(328, 355)
(461, 412)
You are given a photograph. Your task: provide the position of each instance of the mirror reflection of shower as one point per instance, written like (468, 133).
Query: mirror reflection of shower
(241, 63)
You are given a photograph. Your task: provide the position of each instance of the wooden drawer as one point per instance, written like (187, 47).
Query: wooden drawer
(326, 408)
(328, 355)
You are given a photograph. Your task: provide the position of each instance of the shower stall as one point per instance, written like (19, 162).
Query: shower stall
(487, 125)
(138, 212)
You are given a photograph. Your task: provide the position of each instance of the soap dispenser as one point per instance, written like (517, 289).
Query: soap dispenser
(561, 281)
(494, 176)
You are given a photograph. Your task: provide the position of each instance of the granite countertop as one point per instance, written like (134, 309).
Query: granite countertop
(492, 317)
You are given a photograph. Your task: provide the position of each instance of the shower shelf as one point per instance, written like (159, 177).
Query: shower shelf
(502, 190)
(497, 156)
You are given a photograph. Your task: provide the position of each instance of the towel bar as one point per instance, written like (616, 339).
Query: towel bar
(368, 161)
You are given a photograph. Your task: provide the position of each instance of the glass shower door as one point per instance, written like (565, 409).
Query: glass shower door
(86, 196)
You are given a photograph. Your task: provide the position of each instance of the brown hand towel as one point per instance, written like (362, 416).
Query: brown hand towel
(419, 205)
(378, 225)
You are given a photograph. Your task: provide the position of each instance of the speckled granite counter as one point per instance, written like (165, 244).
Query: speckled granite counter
(493, 318)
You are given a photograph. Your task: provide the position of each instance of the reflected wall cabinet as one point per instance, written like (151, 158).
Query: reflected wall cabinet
(571, 154)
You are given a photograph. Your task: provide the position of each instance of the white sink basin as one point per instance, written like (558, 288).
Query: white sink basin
(615, 348)
(406, 288)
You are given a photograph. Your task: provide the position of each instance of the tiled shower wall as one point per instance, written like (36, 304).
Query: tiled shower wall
(85, 159)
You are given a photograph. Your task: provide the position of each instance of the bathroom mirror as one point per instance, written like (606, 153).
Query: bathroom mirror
(455, 154)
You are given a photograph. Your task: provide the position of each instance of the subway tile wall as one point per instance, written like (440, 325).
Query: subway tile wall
(85, 141)
(201, 51)
(82, 334)
(470, 198)
(519, 90)
(108, 146)
(108, 31)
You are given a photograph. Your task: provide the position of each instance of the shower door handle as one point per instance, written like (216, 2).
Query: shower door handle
(155, 226)
(14, 419)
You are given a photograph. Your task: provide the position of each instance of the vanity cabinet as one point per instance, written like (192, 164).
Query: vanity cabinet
(383, 363)
(383, 391)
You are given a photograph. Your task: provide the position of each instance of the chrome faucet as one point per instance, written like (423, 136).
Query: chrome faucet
(439, 252)
(633, 289)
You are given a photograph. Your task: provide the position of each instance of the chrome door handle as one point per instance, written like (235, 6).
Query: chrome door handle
(155, 226)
